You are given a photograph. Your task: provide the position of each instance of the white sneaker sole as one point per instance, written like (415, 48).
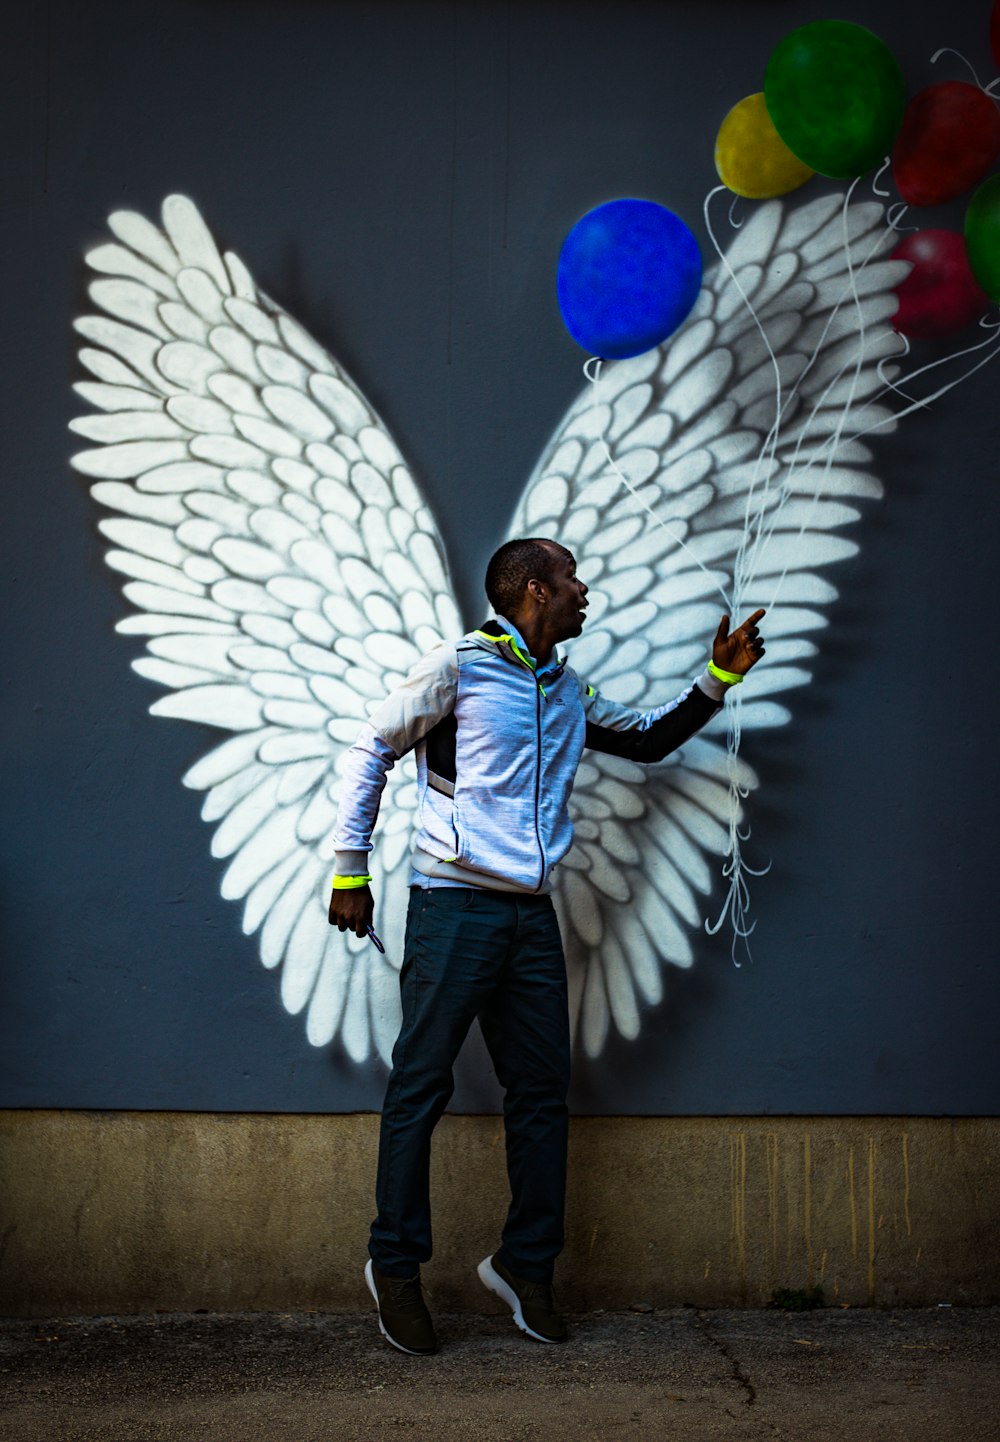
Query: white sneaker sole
(495, 1283)
(381, 1326)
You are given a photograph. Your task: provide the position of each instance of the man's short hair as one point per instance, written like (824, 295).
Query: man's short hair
(514, 565)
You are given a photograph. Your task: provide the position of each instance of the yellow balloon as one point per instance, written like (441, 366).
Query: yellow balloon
(751, 157)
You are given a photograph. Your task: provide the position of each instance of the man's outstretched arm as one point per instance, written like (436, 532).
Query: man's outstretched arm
(650, 736)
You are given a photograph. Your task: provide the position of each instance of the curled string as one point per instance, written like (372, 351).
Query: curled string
(989, 90)
(736, 224)
(765, 458)
(736, 870)
(736, 903)
(991, 345)
(892, 220)
(764, 533)
(947, 50)
(882, 194)
(805, 430)
(888, 383)
(852, 288)
(597, 362)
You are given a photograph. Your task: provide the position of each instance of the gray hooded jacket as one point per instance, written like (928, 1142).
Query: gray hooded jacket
(498, 741)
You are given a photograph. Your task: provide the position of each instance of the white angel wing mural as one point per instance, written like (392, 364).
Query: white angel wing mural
(285, 571)
(702, 502)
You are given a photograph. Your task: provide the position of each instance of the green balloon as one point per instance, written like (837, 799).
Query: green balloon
(982, 236)
(836, 96)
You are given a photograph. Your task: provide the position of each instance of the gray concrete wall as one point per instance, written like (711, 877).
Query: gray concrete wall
(400, 176)
(132, 1211)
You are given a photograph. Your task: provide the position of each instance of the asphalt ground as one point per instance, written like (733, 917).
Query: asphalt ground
(850, 1375)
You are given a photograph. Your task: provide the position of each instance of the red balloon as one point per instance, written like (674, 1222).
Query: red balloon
(940, 294)
(949, 139)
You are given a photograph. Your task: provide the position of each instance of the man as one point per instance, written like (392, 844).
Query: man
(499, 722)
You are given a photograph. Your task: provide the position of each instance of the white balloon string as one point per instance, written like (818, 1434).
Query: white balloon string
(925, 401)
(825, 450)
(855, 365)
(916, 404)
(736, 224)
(597, 363)
(766, 455)
(888, 382)
(765, 531)
(805, 430)
(882, 194)
(736, 903)
(947, 50)
(892, 220)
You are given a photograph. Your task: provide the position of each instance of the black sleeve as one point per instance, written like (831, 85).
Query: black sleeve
(660, 738)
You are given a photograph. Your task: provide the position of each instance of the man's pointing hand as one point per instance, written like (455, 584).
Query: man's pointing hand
(737, 651)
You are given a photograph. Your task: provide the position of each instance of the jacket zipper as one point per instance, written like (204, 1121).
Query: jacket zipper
(539, 693)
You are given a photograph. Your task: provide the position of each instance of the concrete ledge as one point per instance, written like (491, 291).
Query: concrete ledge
(136, 1211)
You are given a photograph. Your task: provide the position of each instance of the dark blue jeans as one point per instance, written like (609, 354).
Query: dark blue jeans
(498, 957)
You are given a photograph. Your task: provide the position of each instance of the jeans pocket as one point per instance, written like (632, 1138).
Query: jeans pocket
(445, 899)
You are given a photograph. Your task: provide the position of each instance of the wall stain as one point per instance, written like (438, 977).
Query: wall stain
(807, 1200)
(772, 1194)
(854, 1204)
(81, 1206)
(906, 1183)
(738, 1170)
(593, 1239)
(872, 1155)
(9, 1231)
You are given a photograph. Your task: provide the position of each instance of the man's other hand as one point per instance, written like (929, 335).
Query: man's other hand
(352, 909)
(738, 650)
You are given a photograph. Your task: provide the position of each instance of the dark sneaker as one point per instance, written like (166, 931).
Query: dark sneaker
(403, 1318)
(531, 1302)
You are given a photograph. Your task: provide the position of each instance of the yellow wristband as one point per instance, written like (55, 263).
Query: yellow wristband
(350, 883)
(731, 678)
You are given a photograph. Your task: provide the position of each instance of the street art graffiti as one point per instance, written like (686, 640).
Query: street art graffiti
(285, 571)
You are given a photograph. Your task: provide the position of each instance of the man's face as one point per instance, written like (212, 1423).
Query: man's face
(567, 596)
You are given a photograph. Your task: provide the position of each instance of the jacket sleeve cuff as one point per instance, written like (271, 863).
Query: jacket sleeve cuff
(714, 689)
(351, 863)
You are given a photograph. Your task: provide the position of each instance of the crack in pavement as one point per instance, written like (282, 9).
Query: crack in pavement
(739, 1375)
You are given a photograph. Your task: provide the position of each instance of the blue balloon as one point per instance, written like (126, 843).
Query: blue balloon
(629, 273)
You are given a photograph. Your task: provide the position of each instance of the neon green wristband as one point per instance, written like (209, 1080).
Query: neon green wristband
(350, 883)
(731, 678)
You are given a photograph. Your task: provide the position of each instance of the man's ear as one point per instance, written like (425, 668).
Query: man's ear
(538, 591)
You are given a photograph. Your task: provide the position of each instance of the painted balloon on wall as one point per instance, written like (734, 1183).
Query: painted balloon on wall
(629, 272)
(750, 156)
(940, 295)
(982, 235)
(949, 139)
(835, 93)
